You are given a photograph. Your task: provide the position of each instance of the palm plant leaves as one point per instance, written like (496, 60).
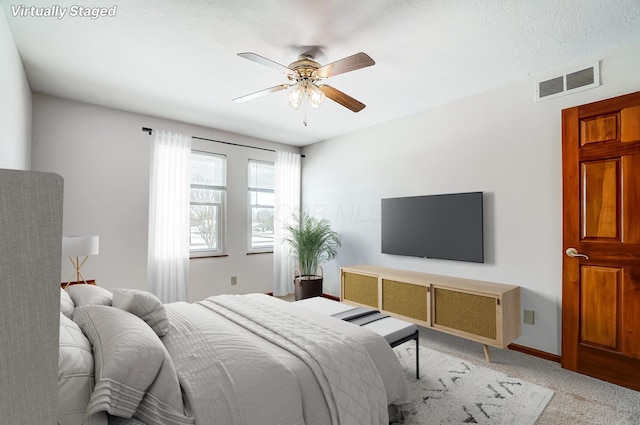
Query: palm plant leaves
(312, 242)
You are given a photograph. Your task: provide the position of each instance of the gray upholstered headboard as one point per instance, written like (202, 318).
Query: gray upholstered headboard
(30, 245)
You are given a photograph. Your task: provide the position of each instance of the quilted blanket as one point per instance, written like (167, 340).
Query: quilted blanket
(290, 366)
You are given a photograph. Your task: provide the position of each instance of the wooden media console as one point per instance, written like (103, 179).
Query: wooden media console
(485, 312)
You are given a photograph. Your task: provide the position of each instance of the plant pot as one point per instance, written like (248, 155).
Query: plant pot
(307, 287)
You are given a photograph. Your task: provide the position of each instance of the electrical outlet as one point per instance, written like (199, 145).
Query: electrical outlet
(528, 317)
(234, 280)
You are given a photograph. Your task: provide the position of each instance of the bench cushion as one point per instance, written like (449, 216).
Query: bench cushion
(391, 329)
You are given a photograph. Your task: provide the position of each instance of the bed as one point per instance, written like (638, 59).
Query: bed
(95, 357)
(125, 358)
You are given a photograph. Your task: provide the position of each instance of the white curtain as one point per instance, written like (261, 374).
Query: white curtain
(168, 261)
(286, 204)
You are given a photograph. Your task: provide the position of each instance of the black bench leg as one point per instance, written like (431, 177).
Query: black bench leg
(417, 358)
(407, 339)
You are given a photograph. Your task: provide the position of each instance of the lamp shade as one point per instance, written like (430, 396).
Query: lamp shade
(79, 246)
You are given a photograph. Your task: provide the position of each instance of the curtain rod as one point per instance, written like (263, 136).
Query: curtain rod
(149, 130)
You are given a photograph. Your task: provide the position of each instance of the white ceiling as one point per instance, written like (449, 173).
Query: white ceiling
(177, 59)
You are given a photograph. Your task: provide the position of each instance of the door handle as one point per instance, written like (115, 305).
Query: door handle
(572, 252)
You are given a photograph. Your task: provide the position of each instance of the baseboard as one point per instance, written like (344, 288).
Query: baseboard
(536, 353)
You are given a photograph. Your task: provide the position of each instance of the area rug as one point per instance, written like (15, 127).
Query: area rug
(455, 391)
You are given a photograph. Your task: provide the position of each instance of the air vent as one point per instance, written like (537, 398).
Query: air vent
(583, 79)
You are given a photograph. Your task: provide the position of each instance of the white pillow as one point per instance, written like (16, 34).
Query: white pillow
(75, 376)
(85, 294)
(145, 305)
(66, 304)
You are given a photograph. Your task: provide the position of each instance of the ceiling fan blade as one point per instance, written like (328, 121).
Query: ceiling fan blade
(342, 98)
(350, 63)
(267, 62)
(252, 96)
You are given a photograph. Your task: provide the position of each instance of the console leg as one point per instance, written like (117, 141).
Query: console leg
(487, 354)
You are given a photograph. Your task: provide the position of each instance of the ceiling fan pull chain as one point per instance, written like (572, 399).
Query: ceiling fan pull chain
(304, 110)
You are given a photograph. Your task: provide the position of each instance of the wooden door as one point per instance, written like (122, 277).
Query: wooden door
(601, 221)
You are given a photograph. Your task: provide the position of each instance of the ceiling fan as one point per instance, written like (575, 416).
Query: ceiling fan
(305, 76)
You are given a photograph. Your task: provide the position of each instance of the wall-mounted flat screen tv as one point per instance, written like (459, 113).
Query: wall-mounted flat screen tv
(447, 226)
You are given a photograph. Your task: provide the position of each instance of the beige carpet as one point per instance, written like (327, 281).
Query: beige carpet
(577, 400)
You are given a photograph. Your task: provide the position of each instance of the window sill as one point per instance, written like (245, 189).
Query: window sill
(259, 252)
(208, 256)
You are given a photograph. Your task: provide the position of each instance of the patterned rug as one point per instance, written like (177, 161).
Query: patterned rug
(454, 391)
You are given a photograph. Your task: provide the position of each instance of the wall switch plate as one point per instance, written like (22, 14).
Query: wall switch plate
(528, 317)
(234, 280)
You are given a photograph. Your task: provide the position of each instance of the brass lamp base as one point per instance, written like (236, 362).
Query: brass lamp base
(78, 275)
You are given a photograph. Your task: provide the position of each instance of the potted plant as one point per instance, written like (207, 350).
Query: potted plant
(312, 242)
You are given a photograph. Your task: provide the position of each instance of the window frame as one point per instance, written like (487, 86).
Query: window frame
(222, 212)
(250, 248)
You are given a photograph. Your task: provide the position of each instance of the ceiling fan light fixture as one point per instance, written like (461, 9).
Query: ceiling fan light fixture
(307, 89)
(296, 96)
(315, 96)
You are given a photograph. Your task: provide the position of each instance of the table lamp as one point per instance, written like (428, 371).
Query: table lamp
(76, 247)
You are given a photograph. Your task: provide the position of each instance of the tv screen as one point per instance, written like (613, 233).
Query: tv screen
(447, 227)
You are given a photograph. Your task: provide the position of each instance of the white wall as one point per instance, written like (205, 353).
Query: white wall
(15, 104)
(499, 142)
(104, 158)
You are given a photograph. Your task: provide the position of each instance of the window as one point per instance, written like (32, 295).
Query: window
(208, 199)
(261, 201)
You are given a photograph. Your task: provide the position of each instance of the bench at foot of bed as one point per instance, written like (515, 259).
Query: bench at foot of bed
(394, 331)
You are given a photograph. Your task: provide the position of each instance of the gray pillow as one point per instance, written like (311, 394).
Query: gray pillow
(85, 294)
(145, 305)
(134, 373)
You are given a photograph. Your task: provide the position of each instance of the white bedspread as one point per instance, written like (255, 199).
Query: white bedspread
(255, 359)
